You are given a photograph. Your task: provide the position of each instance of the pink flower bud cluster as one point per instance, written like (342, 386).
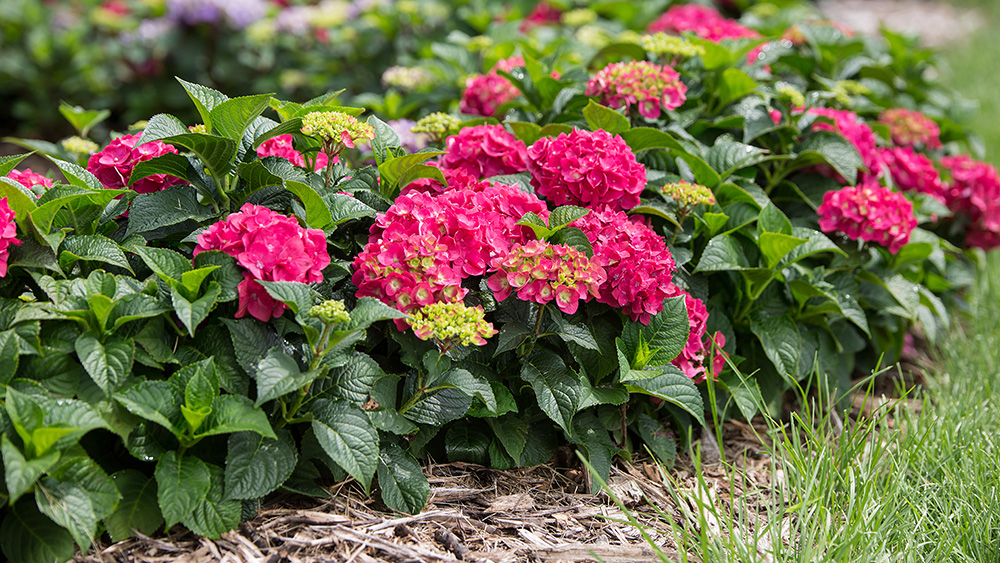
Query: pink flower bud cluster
(271, 247)
(909, 127)
(421, 249)
(485, 93)
(30, 179)
(8, 234)
(692, 359)
(282, 146)
(542, 272)
(589, 168)
(913, 171)
(848, 124)
(484, 151)
(868, 212)
(703, 21)
(974, 192)
(637, 261)
(649, 87)
(114, 164)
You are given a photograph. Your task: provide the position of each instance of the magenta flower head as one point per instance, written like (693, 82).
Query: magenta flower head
(282, 146)
(648, 87)
(909, 128)
(974, 192)
(270, 247)
(484, 151)
(485, 93)
(542, 272)
(637, 261)
(692, 359)
(113, 165)
(913, 171)
(588, 168)
(8, 234)
(703, 21)
(30, 179)
(848, 124)
(868, 212)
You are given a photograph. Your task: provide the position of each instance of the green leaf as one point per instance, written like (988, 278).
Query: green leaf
(657, 439)
(578, 334)
(67, 504)
(213, 516)
(171, 206)
(193, 313)
(781, 341)
(77, 176)
(722, 254)
(393, 170)
(251, 341)
(28, 536)
(182, 483)
(352, 381)
(572, 236)
(385, 141)
(107, 363)
(348, 437)
(191, 281)
(278, 374)
(596, 445)
(471, 385)
(169, 163)
(703, 173)
(204, 98)
(9, 352)
(566, 214)
(525, 131)
(556, 387)
(673, 387)
(600, 117)
(10, 162)
(233, 413)
(402, 483)
(156, 401)
(343, 208)
(835, 150)
(82, 119)
(645, 138)
(772, 220)
(728, 157)
(256, 466)
(775, 246)
(554, 130)
(19, 199)
(299, 297)
(467, 444)
(201, 389)
(318, 214)
(745, 393)
(98, 248)
(20, 473)
(138, 509)
(369, 310)
(733, 85)
(666, 334)
(816, 242)
(215, 152)
(226, 273)
(231, 117)
(133, 306)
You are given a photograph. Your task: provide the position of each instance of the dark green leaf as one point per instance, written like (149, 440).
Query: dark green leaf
(92, 247)
(213, 516)
(645, 138)
(297, 296)
(402, 482)
(27, 536)
(348, 437)
(204, 98)
(781, 341)
(171, 206)
(278, 374)
(722, 254)
(673, 387)
(256, 466)
(182, 483)
(835, 150)
(463, 443)
(657, 438)
(385, 139)
(215, 152)
(138, 509)
(156, 401)
(20, 474)
(556, 387)
(107, 363)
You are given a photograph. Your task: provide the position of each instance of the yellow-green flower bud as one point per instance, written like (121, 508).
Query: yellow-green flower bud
(792, 94)
(451, 323)
(437, 125)
(406, 78)
(579, 17)
(331, 311)
(79, 146)
(337, 127)
(198, 128)
(630, 36)
(480, 43)
(844, 89)
(664, 44)
(687, 195)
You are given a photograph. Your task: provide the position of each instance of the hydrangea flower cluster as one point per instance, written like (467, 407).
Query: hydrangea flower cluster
(848, 124)
(79, 146)
(688, 195)
(406, 78)
(703, 21)
(421, 249)
(485, 93)
(649, 87)
(638, 264)
(282, 146)
(113, 165)
(589, 168)
(484, 151)
(30, 179)
(868, 212)
(437, 125)
(331, 311)
(660, 43)
(543, 13)
(692, 358)
(974, 191)
(337, 127)
(271, 247)
(452, 323)
(913, 171)
(8, 234)
(790, 93)
(455, 178)
(542, 272)
(909, 128)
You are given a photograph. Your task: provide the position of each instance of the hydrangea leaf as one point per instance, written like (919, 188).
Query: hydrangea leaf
(348, 437)
(213, 515)
(108, 363)
(98, 248)
(556, 387)
(600, 117)
(402, 483)
(231, 117)
(165, 208)
(673, 387)
(138, 510)
(28, 536)
(256, 465)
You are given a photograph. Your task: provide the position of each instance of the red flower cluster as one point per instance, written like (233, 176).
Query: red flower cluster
(282, 146)
(637, 261)
(909, 127)
(422, 248)
(588, 168)
(30, 179)
(848, 124)
(272, 247)
(542, 272)
(484, 151)
(703, 21)
(868, 212)
(8, 234)
(692, 358)
(913, 171)
(974, 191)
(485, 93)
(649, 87)
(113, 165)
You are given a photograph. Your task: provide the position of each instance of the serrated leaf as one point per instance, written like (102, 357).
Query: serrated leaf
(512, 334)
(673, 387)
(745, 393)
(278, 374)
(566, 214)
(9, 354)
(369, 310)
(20, 473)
(657, 439)
(781, 342)
(171, 164)
(19, 199)
(666, 334)
(191, 314)
(721, 254)
(171, 206)
(213, 516)
(463, 443)
(318, 214)
(205, 99)
(108, 363)
(401, 481)
(233, 413)
(645, 138)
(733, 85)
(226, 273)
(256, 466)
(600, 117)
(776, 246)
(835, 150)
(816, 242)
(98, 248)
(138, 510)
(385, 139)
(556, 387)
(299, 297)
(68, 505)
(393, 170)
(215, 152)
(77, 176)
(772, 220)
(28, 536)
(156, 401)
(343, 208)
(578, 334)
(574, 237)
(348, 437)
(251, 341)
(230, 118)
(10, 162)
(352, 381)
(182, 483)
(728, 157)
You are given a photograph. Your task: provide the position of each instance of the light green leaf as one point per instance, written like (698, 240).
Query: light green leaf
(299, 297)
(233, 413)
(193, 313)
(733, 85)
(600, 117)
(776, 246)
(721, 254)
(278, 374)
(204, 98)
(393, 170)
(231, 117)
(20, 474)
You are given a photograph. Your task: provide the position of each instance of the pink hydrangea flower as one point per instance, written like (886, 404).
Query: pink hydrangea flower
(638, 264)
(8, 234)
(703, 21)
(282, 146)
(484, 151)
(868, 212)
(913, 171)
(589, 168)
(848, 124)
(485, 93)
(974, 192)
(692, 359)
(30, 179)
(455, 178)
(542, 272)
(649, 87)
(271, 247)
(113, 165)
(909, 127)
(542, 14)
